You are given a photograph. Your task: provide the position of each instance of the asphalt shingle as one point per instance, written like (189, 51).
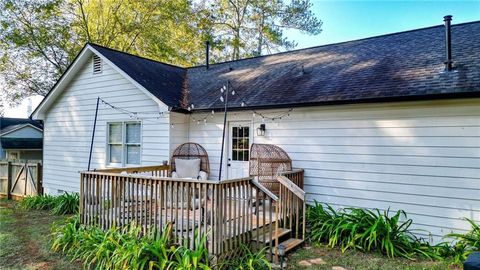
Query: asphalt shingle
(407, 65)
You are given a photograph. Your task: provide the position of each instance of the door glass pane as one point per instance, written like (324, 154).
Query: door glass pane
(115, 133)
(115, 153)
(240, 143)
(133, 133)
(133, 154)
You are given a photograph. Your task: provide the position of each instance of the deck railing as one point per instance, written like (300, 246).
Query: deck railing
(291, 212)
(296, 176)
(230, 212)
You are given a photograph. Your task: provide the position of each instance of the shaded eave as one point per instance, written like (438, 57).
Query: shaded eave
(432, 97)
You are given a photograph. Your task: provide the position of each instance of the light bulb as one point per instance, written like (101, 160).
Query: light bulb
(221, 98)
(243, 104)
(233, 92)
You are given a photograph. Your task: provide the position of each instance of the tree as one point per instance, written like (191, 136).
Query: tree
(39, 39)
(35, 47)
(243, 28)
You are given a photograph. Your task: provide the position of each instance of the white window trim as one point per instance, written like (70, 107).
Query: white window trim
(123, 144)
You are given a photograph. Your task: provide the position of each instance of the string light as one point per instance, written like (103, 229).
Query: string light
(135, 115)
(164, 114)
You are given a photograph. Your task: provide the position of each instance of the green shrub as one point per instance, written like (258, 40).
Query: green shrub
(467, 243)
(250, 260)
(355, 228)
(67, 203)
(42, 202)
(126, 248)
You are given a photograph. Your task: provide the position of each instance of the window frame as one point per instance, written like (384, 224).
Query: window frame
(123, 144)
(238, 139)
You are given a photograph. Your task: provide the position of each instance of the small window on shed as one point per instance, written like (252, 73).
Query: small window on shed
(97, 64)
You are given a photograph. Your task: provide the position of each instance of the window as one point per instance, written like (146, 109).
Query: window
(124, 143)
(97, 64)
(240, 143)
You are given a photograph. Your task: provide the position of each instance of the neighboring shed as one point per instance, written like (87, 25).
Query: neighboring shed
(21, 139)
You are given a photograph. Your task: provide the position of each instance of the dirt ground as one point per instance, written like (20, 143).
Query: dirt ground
(25, 239)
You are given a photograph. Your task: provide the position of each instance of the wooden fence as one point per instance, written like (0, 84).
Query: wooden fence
(18, 180)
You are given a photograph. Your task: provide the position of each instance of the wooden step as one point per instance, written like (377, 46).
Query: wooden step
(289, 244)
(265, 238)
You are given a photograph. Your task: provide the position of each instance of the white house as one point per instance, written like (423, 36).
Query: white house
(382, 122)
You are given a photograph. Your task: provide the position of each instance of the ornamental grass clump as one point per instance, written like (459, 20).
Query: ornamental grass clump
(249, 260)
(127, 247)
(67, 203)
(465, 244)
(366, 230)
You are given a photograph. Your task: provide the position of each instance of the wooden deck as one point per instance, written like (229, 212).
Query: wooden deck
(230, 212)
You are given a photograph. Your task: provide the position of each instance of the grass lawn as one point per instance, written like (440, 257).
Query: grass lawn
(359, 260)
(25, 240)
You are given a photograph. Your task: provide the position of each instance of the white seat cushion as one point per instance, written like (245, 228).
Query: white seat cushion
(187, 168)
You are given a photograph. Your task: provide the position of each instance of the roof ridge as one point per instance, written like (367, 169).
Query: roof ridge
(284, 52)
(334, 44)
(134, 55)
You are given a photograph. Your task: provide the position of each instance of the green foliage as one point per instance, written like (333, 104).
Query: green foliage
(354, 228)
(127, 248)
(250, 260)
(245, 28)
(43, 202)
(39, 39)
(466, 243)
(67, 203)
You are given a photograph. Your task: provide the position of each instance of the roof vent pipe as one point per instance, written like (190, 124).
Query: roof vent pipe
(448, 43)
(207, 54)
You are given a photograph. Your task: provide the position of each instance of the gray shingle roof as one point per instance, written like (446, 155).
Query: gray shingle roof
(162, 80)
(7, 124)
(406, 65)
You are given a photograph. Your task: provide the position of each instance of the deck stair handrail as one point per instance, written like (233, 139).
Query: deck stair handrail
(290, 213)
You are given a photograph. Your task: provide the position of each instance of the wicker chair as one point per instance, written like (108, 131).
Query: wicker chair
(191, 150)
(266, 162)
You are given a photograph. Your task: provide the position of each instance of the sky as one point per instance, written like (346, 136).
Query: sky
(350, 20)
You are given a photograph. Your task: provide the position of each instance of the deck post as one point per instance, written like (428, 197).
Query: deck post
(9, 180)
(39, 178)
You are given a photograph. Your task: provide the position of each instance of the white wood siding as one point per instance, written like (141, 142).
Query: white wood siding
(421, 157)
(69, 125)
(178, 130)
